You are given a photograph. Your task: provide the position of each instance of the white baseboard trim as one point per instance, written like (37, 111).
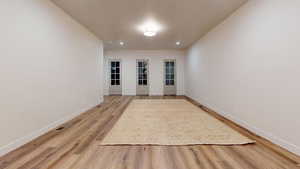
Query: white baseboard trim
(276, 140)
(151, 94)
(26, 139)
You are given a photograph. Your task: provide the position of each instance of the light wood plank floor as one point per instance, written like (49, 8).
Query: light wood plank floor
(75, 145)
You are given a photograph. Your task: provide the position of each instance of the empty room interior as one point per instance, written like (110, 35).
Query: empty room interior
(150, 84)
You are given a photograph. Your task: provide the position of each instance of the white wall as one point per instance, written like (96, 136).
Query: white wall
(50, 68)
(248, 68)
(156, 77)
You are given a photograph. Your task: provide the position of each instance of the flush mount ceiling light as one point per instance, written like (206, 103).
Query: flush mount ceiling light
(150, 32)
(150, 28)
(178, 43)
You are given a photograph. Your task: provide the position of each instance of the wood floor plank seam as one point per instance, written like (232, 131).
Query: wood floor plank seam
(274, 147)
(76, 147)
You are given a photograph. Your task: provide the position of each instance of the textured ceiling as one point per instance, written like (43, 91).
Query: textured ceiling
(117, 20)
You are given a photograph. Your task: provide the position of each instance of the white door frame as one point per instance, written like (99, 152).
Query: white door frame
(115, 89)
(170, 89)
(142, 89)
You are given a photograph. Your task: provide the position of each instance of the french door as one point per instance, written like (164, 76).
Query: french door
(115, 87)
(169, 77)
(142, 86)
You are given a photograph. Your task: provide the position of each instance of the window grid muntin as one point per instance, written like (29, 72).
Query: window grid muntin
(115, 73)
(142, 73)
(169, 73)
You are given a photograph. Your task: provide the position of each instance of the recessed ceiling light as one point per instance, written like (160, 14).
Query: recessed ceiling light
(122, 43)
(178, 43)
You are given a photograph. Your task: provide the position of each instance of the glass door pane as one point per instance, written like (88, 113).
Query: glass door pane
(115, 73)
(142, 87)
(115, 87)
(142, 73)
(170, 77)
(169, 73)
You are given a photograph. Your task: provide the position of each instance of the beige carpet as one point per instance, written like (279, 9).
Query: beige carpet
(170, 122)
